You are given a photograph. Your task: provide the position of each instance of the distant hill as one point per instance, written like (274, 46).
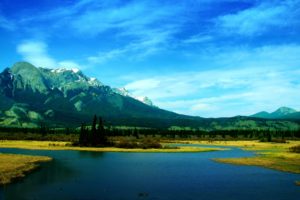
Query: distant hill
(280, 113)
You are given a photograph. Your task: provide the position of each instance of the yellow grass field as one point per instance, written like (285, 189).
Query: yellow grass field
(253, 145)
(13, 166)
(46, 145)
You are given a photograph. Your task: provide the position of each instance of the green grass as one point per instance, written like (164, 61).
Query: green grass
(14, 166)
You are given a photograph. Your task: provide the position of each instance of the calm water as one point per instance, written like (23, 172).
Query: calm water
(94, 175)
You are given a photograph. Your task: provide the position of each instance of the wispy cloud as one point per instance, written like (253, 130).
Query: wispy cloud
(260, 18)
(136, 50)
(199, 38)
(145, 27)
(69, 64)
(133, 18)
(145, 84)
(196, 57)
(103, 57)
(263, 76)
(90, 18)
(6, 24)
(249, 91)
(36, 52)
(131, 21)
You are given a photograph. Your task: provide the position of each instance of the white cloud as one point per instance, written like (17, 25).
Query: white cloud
(69, 64)
(264, 78)
(199, 38)
(36, 52)
(153, 42)
(129, 19)
(6, 24)
(103, 57)
(259, 94)
(145, 84)
(260, 18)
(133, 21)
(202, 107)
(225, 105)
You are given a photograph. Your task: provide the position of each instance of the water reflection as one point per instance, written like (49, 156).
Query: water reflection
(90, 154)
(128, 176)
(47, 174)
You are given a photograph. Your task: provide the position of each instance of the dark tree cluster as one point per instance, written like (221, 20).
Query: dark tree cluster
(96, 136)
(41, 133)
(266, 135)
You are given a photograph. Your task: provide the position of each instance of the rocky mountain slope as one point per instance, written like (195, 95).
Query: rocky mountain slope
(30, 95)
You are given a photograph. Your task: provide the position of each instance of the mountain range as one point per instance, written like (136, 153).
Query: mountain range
(29, 95)
(280, 113)
(64, 97)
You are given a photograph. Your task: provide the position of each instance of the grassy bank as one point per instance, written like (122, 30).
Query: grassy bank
(14, 166)
(273, 162)
(254, 145)
(46, 145)
(269, 155)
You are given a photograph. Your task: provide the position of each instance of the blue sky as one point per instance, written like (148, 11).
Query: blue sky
(211, 58)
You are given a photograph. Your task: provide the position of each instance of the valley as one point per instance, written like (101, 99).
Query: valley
(149, 100)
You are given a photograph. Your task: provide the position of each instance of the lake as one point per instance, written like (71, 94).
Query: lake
(158, 176)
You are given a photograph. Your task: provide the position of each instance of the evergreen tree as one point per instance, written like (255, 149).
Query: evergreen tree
(269, 136)
(93, 139)
(67, 131)
(43, 129)
(135, 133)
(102, 140)
(82, 135)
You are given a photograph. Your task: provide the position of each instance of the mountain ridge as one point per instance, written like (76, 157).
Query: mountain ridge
(281, 113)
(51, 92)
(31, 96)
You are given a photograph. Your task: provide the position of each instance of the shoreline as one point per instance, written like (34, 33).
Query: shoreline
(16, 166)
(268, 155)
(47, 145)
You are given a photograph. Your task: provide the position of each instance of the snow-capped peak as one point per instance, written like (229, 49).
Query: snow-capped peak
(145, 100)
(75, 70)
(124, 92)
(94, 82)
(75, 75)
(61, 70)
